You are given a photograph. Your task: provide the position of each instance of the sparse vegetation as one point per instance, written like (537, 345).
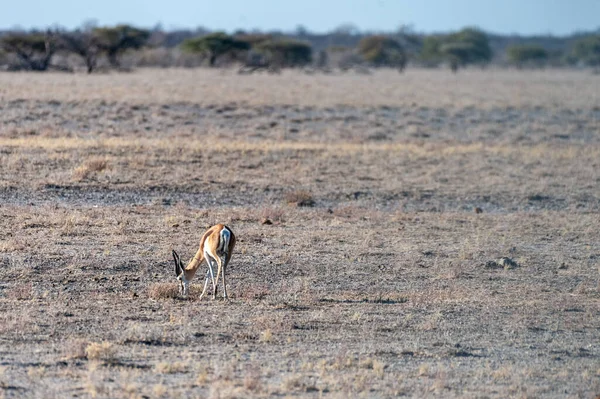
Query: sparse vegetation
(215, 45)
(90, 166)
(114, 41)
(163, 291)
(382, 51)
(586, 50)
(286, 53)
(300, 198)
(104, 351)
(124, 47)
(527, 55)
(379, 289)
(34, 51)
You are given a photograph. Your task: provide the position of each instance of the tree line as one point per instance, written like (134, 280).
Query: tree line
(344, 48)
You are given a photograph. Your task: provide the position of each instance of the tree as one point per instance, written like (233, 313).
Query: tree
(286, 52)
(215, 45)
(527, 55)
(114, 41)
(587, 51)
(381, 51)
(82, 43)
(457, 54)
(459, 49)
(468, 46)
(34, 50)
(431, 53)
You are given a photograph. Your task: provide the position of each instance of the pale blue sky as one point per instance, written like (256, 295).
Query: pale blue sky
(558, 17)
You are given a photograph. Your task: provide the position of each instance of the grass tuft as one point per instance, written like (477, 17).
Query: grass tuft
(300, 198)
(90, 166)
(104, 351)
(163, 291)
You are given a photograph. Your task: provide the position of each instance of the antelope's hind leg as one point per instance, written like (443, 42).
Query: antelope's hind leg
(224, 262)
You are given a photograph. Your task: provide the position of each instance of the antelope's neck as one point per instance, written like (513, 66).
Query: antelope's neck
(190, 269)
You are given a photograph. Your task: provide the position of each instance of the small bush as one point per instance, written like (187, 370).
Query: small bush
(266, 336)
(286, 53)
(163, 291)
(273, 214)
(90, 166)
(100, 351)
(171, 368)
(527, 55)
(300, 198)
(382, 51)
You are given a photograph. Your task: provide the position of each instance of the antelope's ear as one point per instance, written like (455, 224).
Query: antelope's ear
(178, 268)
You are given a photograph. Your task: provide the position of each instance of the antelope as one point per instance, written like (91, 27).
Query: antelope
(216, 246)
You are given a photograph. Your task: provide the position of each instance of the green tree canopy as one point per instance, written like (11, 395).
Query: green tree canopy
(459, 49)
(82, 43)
(381, 50)
(286, 53)
(475, 45)
(527, 55)
(116, 40)
(587, 51)
(215, 45)
(34, 50)
(431, 53)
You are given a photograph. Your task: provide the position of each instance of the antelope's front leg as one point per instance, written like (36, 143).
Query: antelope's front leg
(205, 284)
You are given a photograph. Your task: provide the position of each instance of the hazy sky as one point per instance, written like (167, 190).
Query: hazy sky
(558, 17)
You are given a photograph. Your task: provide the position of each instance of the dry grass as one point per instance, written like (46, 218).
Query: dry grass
(378, 289)
(163, 291)
(88, 167)
(432, 88)
(300, 198)
(104, 351)
(171, 368)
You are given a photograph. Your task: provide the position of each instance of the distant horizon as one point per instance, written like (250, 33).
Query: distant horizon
(293, 31)
(511, 17)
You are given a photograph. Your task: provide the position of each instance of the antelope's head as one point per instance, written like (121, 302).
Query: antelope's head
(179, 273)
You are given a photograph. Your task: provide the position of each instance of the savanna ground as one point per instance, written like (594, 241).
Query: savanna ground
(375, 277)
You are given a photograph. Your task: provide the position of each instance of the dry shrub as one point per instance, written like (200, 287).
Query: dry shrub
(159, 390)
(163, 291)
(101, 351)
(266, 336)
(378, 368)
(300, 198)
(273, 214)
(226, 389)
(423, 370)
(297, 383)
(88, 167)
(171, 368)
(202, 377)
(171, 291)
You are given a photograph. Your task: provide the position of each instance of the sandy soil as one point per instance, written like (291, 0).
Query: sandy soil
(387, 283)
